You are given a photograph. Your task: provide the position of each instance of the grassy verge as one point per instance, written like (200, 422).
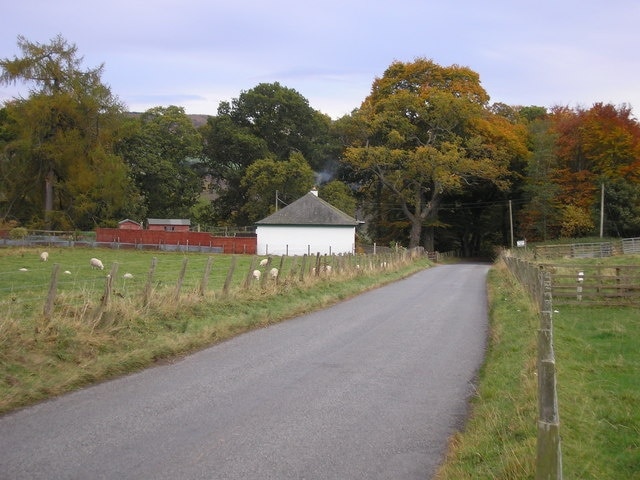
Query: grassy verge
(40, 359)
(499, 440)
(598, 372)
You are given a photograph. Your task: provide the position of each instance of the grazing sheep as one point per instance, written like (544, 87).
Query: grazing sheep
(127, 275)
(273, 273)
(96, 263)
(256, 274)
(67, 272)
(23, 269)
(324, 269)
(44, 256)
(263, 262)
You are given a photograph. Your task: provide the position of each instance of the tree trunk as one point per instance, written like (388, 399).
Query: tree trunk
(416, 231)
(48, 197)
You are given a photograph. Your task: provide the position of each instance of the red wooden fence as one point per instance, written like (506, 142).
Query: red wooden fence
(194, 239)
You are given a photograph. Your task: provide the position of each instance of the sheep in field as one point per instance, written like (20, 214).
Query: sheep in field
(263, 262)
(127, 275)
(96, 263)
(256, 274)
(273, 273)
(44, 256)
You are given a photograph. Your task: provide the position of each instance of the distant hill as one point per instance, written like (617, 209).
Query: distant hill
(196, 119)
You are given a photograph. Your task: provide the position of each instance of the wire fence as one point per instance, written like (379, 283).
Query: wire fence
(538, 283)
(67, 282)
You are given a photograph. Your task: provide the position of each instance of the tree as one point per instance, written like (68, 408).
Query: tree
(428, 134)
(60, 149)
(268, 178)
(338, 194)
(163, 151)
(269, 121)
(597, 146)
(228, 150)
(540, 216)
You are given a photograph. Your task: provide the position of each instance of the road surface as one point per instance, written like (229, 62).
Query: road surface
(370, 388)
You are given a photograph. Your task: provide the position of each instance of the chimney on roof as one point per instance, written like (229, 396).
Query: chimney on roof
(314, 190)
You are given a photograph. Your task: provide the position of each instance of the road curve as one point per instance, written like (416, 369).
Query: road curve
(370, 388)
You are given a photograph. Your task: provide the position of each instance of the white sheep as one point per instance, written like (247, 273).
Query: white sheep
(96, 263)
(263, 262)
(44, 256)
(273, 273)
(67, 272)
(23, 269)
(128, 275)
(256, 274)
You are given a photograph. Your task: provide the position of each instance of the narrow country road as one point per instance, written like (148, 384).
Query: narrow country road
(368, 389)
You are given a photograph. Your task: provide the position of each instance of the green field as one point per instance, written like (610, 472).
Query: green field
(85, 341)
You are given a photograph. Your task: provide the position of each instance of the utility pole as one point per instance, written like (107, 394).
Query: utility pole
(602, 210)
(276, 200)
(511, 222)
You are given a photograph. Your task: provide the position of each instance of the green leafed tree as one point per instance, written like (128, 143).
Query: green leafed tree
(338, 194)
(268, 179)
(58, 165)
(267, 121)
(163, 150)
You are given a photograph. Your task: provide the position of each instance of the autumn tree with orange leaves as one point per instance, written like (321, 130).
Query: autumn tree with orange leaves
(425, 132)
(578, 151)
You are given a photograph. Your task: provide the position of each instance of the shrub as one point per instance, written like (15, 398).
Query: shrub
(18, 233)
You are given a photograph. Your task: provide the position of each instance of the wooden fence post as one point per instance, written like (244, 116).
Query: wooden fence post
(205, 276)
(302, 268)
(280, 269)
(265, 274)
(227, 281)
(106, 296)
(51, 296)
(108, 286)
(149, 285)
(549, 456)
(183, 270)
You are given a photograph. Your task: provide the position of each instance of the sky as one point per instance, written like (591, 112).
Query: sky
(198, 53)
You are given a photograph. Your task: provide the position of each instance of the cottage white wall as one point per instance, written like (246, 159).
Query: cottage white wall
(293, 240)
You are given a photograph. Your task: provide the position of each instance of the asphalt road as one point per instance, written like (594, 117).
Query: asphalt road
(368, 389)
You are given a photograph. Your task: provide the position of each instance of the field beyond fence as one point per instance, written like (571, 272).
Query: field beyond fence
(596, 302)
(64, 324)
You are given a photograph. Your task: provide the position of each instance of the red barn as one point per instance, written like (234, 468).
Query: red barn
(169, 224)
(128, 224)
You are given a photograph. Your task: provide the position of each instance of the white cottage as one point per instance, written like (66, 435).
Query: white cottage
(307, 226)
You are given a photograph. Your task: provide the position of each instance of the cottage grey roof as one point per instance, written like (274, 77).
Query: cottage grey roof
(309, 210)
(168, 221)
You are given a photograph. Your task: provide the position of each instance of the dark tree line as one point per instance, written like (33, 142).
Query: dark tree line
(425, 160)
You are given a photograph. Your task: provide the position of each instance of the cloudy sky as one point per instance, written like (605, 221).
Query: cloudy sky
(197, 53)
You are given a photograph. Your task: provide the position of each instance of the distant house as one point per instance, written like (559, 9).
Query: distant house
(128, 224)
(309, 225)
(169, 224)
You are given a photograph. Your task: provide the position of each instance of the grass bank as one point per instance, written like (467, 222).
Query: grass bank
(41, 359)
(598, 372)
